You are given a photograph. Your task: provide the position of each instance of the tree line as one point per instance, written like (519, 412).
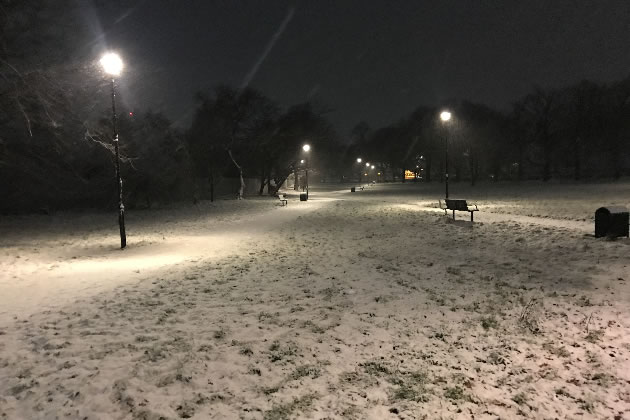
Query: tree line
(56, 145)
(581, 131)
(56, 128)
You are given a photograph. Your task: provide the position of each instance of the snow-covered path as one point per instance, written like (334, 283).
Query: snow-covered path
(349, 306)
(45, 274)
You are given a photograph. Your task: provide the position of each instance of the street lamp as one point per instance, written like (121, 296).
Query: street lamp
(359, 160)
(306, 149)
(445, 116)
(113, 65)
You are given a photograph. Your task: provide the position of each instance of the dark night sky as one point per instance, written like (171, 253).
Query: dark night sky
(366, 60)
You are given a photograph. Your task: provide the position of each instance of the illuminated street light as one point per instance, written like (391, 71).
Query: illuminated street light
(359, 160)
(112, 65)
(302, 161)
(372, 166)
(306, 148)
(367, 164)
(445, 116)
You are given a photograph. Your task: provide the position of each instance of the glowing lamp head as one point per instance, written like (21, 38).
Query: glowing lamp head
(372, 166)
(112, 64)
(445, 116)
(302, 161)
(367, 163)
(306, 147)
(359, 160)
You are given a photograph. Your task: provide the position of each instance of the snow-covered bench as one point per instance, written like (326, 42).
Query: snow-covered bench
(283, 199)
(458, 205)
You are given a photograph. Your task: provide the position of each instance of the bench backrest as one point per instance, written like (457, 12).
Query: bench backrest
(456, 205)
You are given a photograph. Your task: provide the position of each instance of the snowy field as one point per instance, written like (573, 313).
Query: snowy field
(366, 305)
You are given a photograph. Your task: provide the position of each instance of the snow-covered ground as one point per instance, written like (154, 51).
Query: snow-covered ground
(366, 305)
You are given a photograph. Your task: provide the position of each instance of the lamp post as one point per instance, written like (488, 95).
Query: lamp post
(359, 160)
(445, 116)
(306, 149)
(112, 65)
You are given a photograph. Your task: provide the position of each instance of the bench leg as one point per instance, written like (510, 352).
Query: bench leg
(472, 218)
(453, 214)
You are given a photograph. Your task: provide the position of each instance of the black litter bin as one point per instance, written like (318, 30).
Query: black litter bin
(303, 197)
(611, 221)
(352, 189)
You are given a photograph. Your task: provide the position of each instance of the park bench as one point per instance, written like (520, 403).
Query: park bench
(361, 187)
(458, 205)
(283, 199)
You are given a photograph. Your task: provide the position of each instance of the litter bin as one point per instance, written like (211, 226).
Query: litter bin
(352, 189)
(611, 221)
(303, 197)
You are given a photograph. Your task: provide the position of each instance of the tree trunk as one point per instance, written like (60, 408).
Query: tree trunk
(547, 157)
(241, 190)
(280, 181)
(616, 171)
(519, 170)
(497, 171)
(296, 182)
(211, 179)
(262, 182)
(577, 161)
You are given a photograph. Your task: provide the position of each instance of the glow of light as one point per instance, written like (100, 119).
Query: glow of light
(359, 160)
(302, 161)
(372, 166)
(306, 147)
(112, 64)
(131, 114)
(367, 163)
(379, 174)
(445, 116)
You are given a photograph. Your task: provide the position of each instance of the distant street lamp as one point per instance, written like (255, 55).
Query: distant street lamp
(359, 160)
(306, 149)
(445, 116)
(112, 65)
